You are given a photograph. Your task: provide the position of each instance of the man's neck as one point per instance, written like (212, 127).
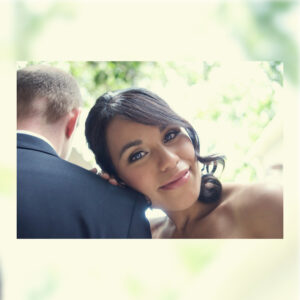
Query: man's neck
(53, 134)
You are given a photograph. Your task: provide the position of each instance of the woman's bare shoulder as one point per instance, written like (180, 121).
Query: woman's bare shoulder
(252, 193)
(258, 206)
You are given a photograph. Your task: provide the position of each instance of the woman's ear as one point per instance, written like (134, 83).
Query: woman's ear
(72, 121)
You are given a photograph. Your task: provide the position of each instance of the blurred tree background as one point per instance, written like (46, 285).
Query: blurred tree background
(232, 100)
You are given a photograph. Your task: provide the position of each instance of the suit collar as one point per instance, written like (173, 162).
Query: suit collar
(36, 135)
(27, 141)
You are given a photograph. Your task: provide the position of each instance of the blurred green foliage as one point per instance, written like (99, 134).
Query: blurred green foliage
(134, 286)
(262, 29)
(248, 104)
(264, 32)
(273, 71)
(29, 24)
(45, 286)
(96, 78)
(195, 257)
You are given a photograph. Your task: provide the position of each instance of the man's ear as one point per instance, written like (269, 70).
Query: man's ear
(72, 120)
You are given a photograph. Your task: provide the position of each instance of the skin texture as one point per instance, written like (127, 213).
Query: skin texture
(244, 211)
(160, 156)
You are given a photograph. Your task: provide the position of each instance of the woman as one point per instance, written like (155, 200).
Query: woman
(141, 142)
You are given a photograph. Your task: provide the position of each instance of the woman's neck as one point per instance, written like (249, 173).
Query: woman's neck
(185, 220)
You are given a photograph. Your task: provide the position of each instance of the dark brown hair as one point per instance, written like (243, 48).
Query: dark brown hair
(142, 106)
(57, 88)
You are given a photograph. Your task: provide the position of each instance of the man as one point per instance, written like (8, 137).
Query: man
(57, 199)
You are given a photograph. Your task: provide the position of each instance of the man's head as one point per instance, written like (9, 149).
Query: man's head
(48, 101)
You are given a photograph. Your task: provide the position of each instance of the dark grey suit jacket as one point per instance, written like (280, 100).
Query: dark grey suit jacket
(57, 199)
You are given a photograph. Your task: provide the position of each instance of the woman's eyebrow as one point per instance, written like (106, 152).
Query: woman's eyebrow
(128, 145)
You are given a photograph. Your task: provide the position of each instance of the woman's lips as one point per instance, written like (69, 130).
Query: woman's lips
(180, 179)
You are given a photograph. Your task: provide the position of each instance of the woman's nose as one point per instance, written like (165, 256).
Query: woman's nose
(168, 159)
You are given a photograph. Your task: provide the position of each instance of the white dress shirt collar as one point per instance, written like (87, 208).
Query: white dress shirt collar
(36, 135)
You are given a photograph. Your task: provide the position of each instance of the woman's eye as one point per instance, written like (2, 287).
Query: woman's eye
(136, 156)
(171, 135)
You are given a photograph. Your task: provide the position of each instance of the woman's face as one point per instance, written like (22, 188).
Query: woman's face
(161, 164)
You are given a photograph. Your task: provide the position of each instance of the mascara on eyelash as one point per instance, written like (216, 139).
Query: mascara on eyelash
(131, 157)
(174, 131)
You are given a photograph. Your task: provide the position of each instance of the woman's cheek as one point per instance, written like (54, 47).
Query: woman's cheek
(187, 150)
(137, 180)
